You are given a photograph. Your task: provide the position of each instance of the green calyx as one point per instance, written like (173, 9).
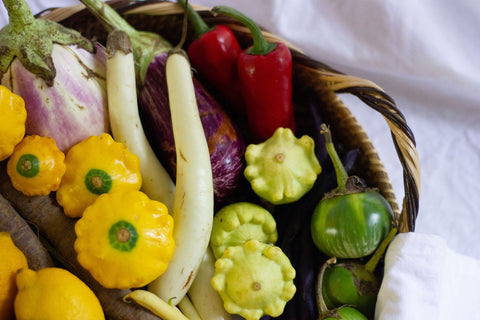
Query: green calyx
(146, 45)
(98, 181)
(28, 165)
(123, 236)
(31, 40)
(260, 44)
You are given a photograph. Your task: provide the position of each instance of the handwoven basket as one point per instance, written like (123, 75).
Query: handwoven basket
(309, 75)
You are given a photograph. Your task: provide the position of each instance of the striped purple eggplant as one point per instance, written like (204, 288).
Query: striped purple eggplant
(75, 106)
(224, 139)
(59, 74)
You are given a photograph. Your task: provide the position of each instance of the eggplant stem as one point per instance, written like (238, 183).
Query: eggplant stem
(320, 301)
(372, 263)
(342, 175)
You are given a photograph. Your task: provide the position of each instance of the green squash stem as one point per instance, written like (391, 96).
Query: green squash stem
(31, 41)
(146, 45)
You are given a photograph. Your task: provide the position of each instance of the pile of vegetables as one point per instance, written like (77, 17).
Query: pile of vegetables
(152, 194)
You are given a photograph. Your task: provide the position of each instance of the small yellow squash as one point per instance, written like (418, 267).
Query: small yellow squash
(36, 166)
(125, 239)
(95, 166)
(12, 121)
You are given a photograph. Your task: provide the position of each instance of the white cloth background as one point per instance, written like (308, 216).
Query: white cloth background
(425, 54)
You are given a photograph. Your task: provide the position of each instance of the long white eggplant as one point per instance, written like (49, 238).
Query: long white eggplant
(156, 305)
(125, 120)
(205, 299)
(194, 198)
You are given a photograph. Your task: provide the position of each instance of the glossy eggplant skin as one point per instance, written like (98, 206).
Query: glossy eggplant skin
(75, 106)
(352, 225)
(225, 142)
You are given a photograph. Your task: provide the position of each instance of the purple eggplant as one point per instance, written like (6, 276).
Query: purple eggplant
(59, 73)
(225, 141)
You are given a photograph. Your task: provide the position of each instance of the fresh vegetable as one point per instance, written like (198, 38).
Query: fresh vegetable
(23, 236)
(225, 143)
(125, 239)
(125, 120)
(95, 166)
(282, 168)
(58, 230)
(156, 305)
(59, 73)
(254, 279)
(187, 308)
(207, 301)
(351, 220)
(12, 260)
(12, 121)
(342, 312)
(353, 283)
(214, 54)
(239, 222)
(194, 198)
(265, 72)
(54, 293)
(36, 166)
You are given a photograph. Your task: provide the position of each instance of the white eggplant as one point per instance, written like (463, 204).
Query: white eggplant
(59, 74)
(193, 200)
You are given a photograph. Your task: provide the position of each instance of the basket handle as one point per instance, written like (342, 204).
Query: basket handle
(403, 138)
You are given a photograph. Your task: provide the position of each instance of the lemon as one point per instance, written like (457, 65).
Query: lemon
(12, 260)
(54, 293)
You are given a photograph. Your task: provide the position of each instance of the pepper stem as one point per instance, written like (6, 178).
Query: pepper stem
(377, 255)
(199, 26)
(146, 45)
(260, 44)
(342, 175)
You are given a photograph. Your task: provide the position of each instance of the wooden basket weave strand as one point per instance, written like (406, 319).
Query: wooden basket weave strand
(164, 18)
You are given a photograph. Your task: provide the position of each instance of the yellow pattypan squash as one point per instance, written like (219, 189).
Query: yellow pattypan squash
(124, 239)
(12, 121)
(36, 166)
(95, 166)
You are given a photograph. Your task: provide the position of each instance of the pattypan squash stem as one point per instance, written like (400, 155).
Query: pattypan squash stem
(260, 44)
(372, 263)
(342, 175)
(146, 45)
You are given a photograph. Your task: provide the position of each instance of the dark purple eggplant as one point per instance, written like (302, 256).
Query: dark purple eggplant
(224, 139)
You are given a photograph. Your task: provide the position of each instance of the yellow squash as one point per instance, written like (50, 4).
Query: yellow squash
(36, 166)
(124, 239)
(95, 166)
(12, 121)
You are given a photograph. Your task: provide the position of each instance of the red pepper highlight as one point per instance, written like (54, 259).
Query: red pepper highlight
(265, 72)
(214, 54)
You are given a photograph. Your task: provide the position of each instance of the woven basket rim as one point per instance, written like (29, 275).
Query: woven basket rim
(331, 80)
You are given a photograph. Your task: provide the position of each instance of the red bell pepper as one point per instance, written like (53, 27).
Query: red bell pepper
(213, 54)
(265, 71)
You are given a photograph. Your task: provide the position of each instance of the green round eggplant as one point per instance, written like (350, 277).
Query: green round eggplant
(345, 313)
(352, 225)
(349, 283)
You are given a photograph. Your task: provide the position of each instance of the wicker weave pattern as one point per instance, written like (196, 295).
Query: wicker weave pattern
(164, 18)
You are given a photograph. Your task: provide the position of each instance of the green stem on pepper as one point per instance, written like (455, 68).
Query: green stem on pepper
(372, 263)
(198, 24)
(260, 44)
(342, 175)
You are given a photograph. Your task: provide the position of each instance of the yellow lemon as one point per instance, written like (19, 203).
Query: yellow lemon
(54, 293)
(12, 260)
